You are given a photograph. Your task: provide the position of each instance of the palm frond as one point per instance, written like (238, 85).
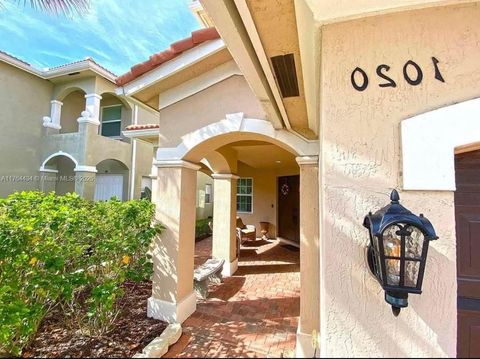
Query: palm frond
(67, 7)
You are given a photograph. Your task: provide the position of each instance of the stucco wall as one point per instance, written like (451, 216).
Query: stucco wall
(143, 165)
(204, 210)
(24, 100)
(208, 106)
(361, 157)
(73, 105)
(64, 183)
(264, 196)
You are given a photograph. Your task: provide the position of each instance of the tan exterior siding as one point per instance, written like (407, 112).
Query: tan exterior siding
(206, 107)
(73, 105)
(204, 210)
(361, 158)
(24, 100)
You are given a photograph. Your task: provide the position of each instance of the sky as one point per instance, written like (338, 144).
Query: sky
(115, 33)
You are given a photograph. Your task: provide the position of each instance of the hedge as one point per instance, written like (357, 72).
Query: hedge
(64, 250)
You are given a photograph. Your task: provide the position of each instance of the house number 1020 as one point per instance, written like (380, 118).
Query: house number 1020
(412, 73)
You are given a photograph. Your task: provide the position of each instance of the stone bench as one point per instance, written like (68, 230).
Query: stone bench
(210, 271)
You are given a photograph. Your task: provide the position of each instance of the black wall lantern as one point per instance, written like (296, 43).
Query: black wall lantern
(397, 251)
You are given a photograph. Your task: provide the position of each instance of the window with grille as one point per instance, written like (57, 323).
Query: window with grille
(112, 121)
(245, 195)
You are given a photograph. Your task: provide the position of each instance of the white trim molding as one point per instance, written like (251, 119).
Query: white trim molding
(56, 154)
(47, 170)
(307, 160)
(172, 312)
(83, 168)
(229, 176)
(199, 83)
(179, 63)
(236, 123)
(429, 141)
(143, 134)
(94, 95)
(176, 164)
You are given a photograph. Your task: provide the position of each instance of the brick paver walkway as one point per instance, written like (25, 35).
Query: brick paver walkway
(251, 314)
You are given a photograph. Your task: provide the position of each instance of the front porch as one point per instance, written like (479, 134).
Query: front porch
(253, 313)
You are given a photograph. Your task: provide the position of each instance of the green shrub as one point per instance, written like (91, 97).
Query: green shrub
(67, 251)
(202, 228)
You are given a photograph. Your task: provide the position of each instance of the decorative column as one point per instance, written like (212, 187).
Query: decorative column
(53, 121)
(90, 118)
(85, 181)
(224, 243)
(92, 105)
(173, 298)
(309, 256)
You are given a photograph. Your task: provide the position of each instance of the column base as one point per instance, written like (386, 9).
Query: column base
(304, 348)
(230, 268)
(172, 312)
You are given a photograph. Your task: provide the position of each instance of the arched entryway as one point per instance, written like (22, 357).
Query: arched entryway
(243, 151)
(58, 173)
(111, 180)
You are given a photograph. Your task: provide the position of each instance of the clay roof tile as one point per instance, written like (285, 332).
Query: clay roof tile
(197, 37)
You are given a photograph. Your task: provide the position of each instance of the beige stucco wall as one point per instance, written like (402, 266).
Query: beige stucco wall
(361, 158)
(203, 210)
(64, 179)
(208, 106)
(264, 196)
(24, 100)
(73, 105)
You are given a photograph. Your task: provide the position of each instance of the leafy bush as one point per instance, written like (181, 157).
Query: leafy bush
(202, 228)
(67, 251)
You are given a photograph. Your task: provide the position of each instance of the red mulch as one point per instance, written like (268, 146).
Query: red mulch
(132, 331)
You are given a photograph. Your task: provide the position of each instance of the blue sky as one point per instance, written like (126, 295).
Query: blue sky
(116, 33)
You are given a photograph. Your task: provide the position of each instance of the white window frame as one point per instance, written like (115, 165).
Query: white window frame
(251, 195)
(111, 121)
(208, 185)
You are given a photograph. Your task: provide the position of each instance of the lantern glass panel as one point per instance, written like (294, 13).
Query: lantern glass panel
(414, 243)
(411, 273)
(391, 242)
(393, 271)
(392, 248)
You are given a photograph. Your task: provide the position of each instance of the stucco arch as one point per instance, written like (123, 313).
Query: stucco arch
(429, 142)
(115, 161)
(233, 128)
(57, 154)
(68, 90)
(121, 99)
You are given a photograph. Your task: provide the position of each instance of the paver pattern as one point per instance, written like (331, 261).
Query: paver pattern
(251, 314)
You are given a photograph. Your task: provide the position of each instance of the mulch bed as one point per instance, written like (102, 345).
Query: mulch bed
(131, 333)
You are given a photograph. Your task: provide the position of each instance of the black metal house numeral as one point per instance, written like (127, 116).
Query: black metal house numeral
(412, 73)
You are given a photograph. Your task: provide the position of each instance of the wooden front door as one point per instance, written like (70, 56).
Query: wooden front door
(288, 188)
(467, 216)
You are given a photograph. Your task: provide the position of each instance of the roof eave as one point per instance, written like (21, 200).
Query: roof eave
(171, 67)
(78, 67)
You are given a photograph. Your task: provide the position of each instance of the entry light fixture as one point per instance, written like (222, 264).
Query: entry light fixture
(397, 251)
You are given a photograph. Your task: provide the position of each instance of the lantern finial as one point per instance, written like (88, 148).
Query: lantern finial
(394, 196)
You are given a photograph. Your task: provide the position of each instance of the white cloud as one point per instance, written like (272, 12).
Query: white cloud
(117, 33)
